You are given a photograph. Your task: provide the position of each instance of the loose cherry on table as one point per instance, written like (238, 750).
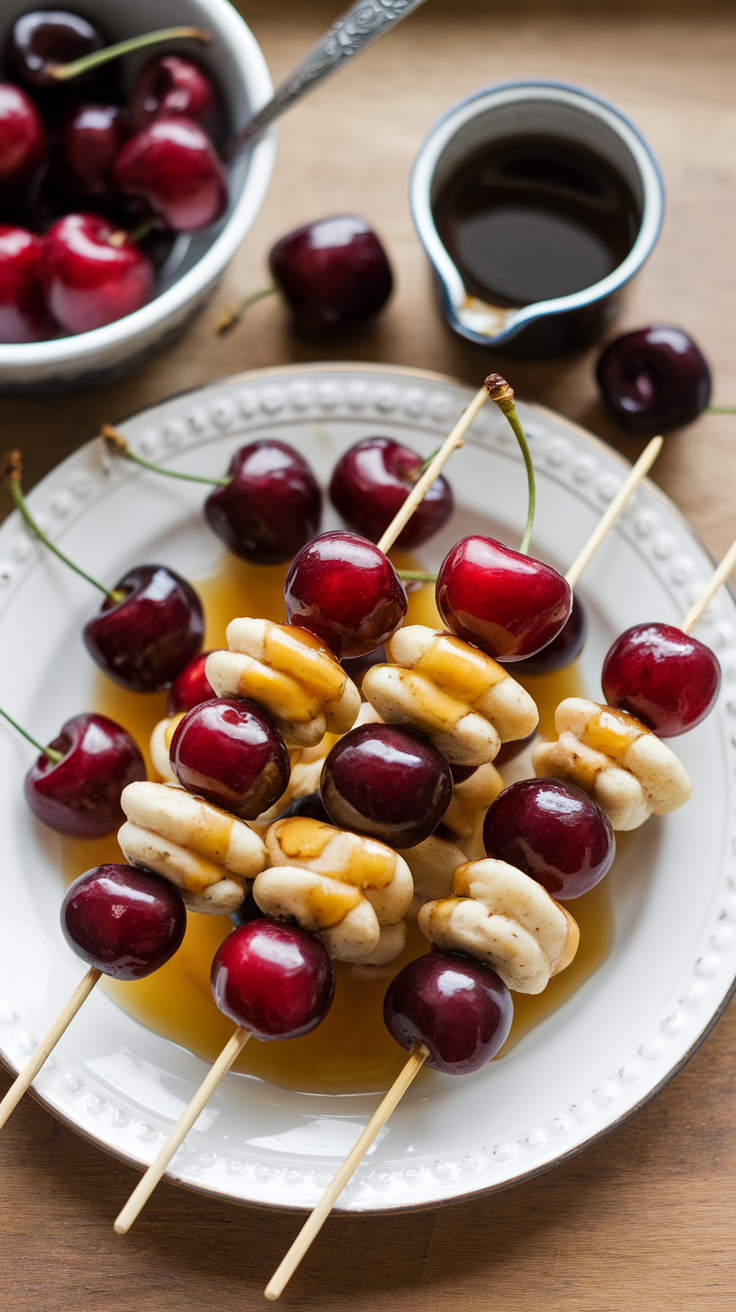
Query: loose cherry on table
(346, 591)
(664, 677)
(270, 505)
(23, 313)
(190, 687)
(654, 379)
(388, 782)
(553, 832)
(563, 649)
(123, 921)
(92, 272)
(169, 84)
(275, 980)
(22, 136)
(370, 483)
(333, 273)
(455, 1005)
(172, 164)
(89, 138)
(229, 751)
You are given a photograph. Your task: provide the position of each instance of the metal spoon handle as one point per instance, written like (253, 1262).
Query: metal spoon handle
(358, 28)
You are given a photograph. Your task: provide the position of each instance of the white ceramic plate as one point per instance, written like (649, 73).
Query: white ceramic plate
(583, 1069)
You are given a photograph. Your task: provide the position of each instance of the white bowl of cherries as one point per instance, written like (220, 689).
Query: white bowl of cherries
(117, 212)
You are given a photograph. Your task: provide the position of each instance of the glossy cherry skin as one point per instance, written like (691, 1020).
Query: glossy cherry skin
(333, 273)
(270, 508)
(388, 782)
(190, 687)
(347, 592)
(507, 604)
(123, 921)
(170, 85)
(80, 795)
(654, 379)
(563, 649)
(22, 136)
(455, 1004)
(275, 980)
(664, 677)
(88, 141)
(92, 273)
(143, 641)
(49, 36)
(370, 484)
(174, 166)
(23, 313)
(230, 751)
(554, 833)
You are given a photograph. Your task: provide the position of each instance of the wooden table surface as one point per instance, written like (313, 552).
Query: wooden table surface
(647, 1217)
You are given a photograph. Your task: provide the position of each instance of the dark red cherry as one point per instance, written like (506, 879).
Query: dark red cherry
(388, 782)
(333, 273)
(80, 795)
(88, 141)
(174, 166)
(143, 641)
(563, 649)
(23, 313)
(275, 980)
(456, 1005)
(664, 677)
(170, 85)
(371, 482)
(347, 592)
(190, 687)
(92, 273)
(654, 379)
(22, 136)
(507, 604)
(49, 36)
(554, 833)
(123, 921)
(270, 508)
(230, 751)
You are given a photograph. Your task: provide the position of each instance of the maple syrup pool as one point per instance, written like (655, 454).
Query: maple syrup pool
(351, 1051)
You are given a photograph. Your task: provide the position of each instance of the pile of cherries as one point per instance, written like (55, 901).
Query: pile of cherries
(85, 178)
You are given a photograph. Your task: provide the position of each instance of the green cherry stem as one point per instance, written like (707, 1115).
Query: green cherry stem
(503, 396)
(416, 576)
(66, 72)
(720, 410)
(11, 474)
(233, 316)
(118, 446)
(50, 752)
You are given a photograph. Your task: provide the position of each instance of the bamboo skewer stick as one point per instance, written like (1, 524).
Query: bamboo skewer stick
(608, 519)
(312, 1226)
(26, 1077)
(720, 574)
(148, 1182)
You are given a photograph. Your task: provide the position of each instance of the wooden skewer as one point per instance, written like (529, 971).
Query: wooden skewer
(418, 492)
(607, 521)
(26, 1077)
(720, 574)
(148, 1182)
(312, 1226)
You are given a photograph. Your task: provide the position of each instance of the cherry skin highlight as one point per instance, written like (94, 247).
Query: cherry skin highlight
(554, 833)
(173, 165)
(333, 273)
(654, 379)
(270, 508)
(170, 85)
(371, 482)
(143, 641)
(190, 687)
(275, 980)
(456, 1005)
(229, 751)
(23, 313)
(92, 273)
(388, 782)
(80, 795)
(22, 136)
(344, 590)
(123, 921)
(665, 677)
(563, 649)
(507, 604)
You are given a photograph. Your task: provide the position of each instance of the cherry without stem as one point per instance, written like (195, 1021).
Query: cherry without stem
(371, 482)
(173, 165)
(333, 273)
(271, 505)
(454, 1004)
(666, 678)
(654, 379)
(277, 981)
(92, 273)
(124, 922)
(79, 794)
(229, 751)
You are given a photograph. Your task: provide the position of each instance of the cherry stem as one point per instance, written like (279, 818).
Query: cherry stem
(232, 316)
(66, 72)
(11, 473)
(416, 576)
(119, 238)
(503, 396)
(720, 410)
(50, 752)
(118, 446)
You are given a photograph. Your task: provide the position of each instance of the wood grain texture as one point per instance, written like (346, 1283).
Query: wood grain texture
(645, 1218)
